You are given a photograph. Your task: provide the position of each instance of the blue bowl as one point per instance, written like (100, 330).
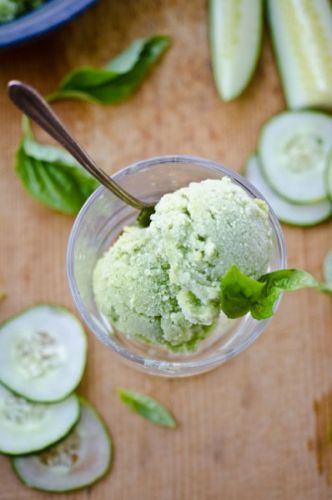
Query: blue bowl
(41, 20)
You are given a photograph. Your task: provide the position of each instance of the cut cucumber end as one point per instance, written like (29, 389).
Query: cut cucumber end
(302, 39)
(293, 149)
(329, 176)
(327, 267)
(26, 427)
(42, 353)
(295, 215)
(235, 30)
(80, 460)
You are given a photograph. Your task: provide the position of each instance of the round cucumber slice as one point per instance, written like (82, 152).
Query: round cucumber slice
(296, 215)
(42, 353)
(293, 149)
(235, 41)
(329, 176)
(26, 427)
(78, 461)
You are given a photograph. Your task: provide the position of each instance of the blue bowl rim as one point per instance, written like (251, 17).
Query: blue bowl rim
(45, 18)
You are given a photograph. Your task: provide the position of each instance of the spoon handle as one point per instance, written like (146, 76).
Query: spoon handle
(28, 100)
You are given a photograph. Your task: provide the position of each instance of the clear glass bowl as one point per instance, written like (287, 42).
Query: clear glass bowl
(97, 226)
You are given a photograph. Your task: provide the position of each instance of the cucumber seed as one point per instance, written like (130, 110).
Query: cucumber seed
(304, 152)
(21, 412)
(38, 353)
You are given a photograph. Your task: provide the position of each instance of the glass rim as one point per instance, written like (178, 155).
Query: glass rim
(190, 367)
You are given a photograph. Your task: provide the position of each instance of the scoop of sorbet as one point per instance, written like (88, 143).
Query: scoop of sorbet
(161, 284)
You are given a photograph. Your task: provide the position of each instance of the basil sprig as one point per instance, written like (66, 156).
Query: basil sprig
(241, 294)
(51, 175)
(118, 79)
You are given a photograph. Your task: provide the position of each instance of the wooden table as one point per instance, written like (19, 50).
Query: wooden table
(254, 429)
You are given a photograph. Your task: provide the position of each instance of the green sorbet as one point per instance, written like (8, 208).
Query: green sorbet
(161, 284)
(132, 288)
(207, 227)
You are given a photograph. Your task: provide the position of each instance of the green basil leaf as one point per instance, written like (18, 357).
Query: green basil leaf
(277, 282)
(238, 292)
(119, 78)
(147, 407)
(241, 294)
(52, 176)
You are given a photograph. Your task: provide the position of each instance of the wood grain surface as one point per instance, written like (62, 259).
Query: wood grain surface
(254, 429)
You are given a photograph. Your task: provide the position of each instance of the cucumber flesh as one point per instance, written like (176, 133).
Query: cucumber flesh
(329, 176)
(235, 41)
(26, 427)
(78, 461)
(296, 215)
(293, 149)
(42, 353)
(302, 35)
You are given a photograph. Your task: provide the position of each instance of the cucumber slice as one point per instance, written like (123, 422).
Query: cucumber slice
(329, 176)
(42, 353)
(26, 427)
(296, 215)
(78, 461)
(293, 149)
(235, 41)
(302, 39)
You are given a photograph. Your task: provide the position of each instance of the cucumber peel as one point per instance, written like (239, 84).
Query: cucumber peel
(295, 215)
(26, 427)
(293, 149)
(42, 353)
(78, 461)
(235, 41)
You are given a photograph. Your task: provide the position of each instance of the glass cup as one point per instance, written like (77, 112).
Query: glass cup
(100, 222)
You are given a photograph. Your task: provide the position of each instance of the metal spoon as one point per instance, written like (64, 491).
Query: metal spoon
(28, 100)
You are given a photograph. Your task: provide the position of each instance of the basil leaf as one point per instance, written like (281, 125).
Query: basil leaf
(238, 292)
(147, 407)
(53, 176)
(118, 79)
(277, 282)
(241, 294)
